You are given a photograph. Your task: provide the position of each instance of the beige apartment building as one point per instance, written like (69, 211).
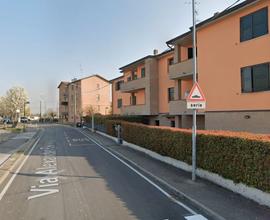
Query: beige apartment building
(233, 72)
(143, 89)
(82, 96)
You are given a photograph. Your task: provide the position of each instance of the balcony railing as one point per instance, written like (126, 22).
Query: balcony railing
(133, 85)
(179, 107)
(181, 70)
(135, 110)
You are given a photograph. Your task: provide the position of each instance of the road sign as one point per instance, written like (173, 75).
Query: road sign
(196, 98)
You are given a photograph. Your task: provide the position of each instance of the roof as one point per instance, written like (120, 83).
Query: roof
(95, 75)
(119, 77)
(227, 11)
(62, 82)
(136, 62)
(217, 16)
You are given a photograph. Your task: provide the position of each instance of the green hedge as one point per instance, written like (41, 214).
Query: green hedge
(101, 119)
(237, 158)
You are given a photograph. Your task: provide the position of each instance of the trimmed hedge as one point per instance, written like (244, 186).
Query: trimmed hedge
(101, 119)
(241, 157)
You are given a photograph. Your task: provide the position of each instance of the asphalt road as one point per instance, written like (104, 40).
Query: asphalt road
(68, 176)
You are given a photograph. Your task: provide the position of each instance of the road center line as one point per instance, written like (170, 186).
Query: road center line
(17, 171)
(141, 175)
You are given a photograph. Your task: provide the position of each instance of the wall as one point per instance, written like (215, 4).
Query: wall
(221, 55)
(257, 121)
(119, 95)
(63, 97)
(164, 82)
(74, 88)
(91, 88)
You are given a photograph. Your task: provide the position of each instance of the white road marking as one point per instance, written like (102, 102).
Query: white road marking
(26, 135)
(196, 217)
(17, 171)
(144, 177)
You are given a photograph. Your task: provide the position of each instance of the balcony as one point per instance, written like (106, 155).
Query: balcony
(64, 103)
(135, 110)
(181, 70)
(179, 107)
(133, 85)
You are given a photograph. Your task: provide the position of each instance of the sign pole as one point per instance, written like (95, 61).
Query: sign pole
(194, 127)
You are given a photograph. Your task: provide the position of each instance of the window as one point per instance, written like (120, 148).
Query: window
(170, 61)
(254, 25)
(98, 97)
(98, 86)
(118, 85)
(143, 72)
(190, 53)
(255, 78)
(133, 100)
(119, 103)
(129, 78)
(134, 75)
(173, 123)
(170, 94)
(157, 122)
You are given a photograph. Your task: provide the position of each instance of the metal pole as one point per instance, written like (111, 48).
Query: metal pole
(40, 103)
(24, 109)
(93, 122)
(194, 127)
(75, 104)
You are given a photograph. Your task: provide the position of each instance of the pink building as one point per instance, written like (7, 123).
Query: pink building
(83, 96)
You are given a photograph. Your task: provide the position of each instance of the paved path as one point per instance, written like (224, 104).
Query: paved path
(69, 176)
(13, 144)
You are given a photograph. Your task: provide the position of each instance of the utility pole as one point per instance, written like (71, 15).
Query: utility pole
(93, 121)
(194, 127)
(40, 107)
(75, 104)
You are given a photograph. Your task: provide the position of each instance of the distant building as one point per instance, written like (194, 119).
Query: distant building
(82, 96)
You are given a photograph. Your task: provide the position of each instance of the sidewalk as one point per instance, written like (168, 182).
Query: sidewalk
(12, 142)
(218, 202)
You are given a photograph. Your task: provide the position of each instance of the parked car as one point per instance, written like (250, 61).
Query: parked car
(7, 121)
(24, 119)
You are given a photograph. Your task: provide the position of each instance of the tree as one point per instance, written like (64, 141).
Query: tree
(51, 113)
(89, 110)
(15, 98)
(3, 109)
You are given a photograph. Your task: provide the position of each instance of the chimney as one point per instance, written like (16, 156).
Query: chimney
(155, 52)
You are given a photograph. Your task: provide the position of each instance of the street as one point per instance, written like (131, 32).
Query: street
(69, 176)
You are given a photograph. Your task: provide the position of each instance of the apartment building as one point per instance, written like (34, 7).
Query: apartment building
(141, 88)
(233, 51)
(233, 69)
(82, 96)
(63, 101)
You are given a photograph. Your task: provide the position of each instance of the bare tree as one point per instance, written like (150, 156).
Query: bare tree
(15, 98)
(51, 113)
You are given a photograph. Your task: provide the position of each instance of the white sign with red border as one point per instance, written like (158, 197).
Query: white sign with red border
(196, 98)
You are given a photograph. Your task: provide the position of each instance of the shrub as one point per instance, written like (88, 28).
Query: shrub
(241, 157)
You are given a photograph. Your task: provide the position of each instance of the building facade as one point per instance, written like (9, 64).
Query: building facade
(142, 88)
(233, 72)
(83, 96)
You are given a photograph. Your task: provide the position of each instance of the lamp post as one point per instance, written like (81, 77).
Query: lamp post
(24, 104)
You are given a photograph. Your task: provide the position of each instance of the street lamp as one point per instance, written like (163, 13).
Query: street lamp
(25, 103)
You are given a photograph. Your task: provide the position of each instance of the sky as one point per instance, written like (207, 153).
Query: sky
(43, 42)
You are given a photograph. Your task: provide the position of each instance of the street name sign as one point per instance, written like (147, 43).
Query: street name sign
(196, 98)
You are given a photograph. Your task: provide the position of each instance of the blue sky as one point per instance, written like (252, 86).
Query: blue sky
(45, 41)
